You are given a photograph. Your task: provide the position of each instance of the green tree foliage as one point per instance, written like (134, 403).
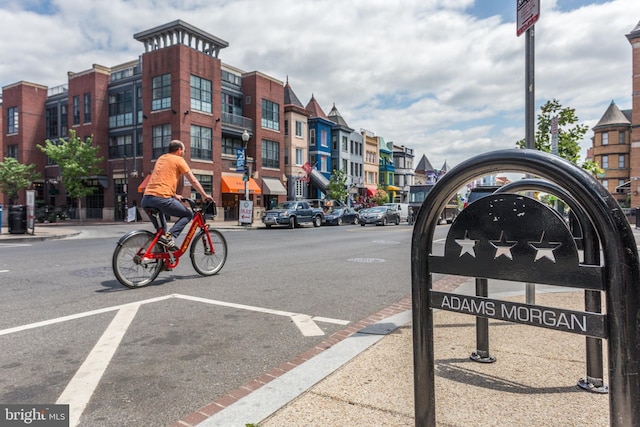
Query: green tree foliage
(336, 189)
(380, 197)
(15, 177)
(78, 160)
(570, 133)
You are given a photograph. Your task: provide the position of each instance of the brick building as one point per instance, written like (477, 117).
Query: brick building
(177, 89)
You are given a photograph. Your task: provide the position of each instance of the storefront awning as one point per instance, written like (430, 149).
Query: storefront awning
(144, 183)
(371, 189)
(393, 188)
(273, 186)
(235, 184)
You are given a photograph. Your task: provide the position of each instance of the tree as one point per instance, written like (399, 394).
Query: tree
(15, 177)
(336, 189)
(570, 133)
(77, 160)
(380, 197)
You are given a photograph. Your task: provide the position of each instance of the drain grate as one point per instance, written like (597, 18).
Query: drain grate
(366, 260)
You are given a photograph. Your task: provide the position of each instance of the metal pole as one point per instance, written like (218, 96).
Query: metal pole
(530, 288)
(482, 328)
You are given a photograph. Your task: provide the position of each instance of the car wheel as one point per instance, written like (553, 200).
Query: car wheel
(339, 222)
(317, 221)
(384, 221)
(268, 225)
(356, 221)
(292, 222)
(397, 220)
(362, 224)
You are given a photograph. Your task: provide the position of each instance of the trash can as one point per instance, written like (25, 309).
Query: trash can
(17, 219)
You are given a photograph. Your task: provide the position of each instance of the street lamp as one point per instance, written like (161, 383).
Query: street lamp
(245, 141)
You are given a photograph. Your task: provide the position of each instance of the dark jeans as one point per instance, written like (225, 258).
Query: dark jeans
(171, 207)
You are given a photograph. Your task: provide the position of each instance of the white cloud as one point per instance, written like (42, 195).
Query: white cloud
(424, 74)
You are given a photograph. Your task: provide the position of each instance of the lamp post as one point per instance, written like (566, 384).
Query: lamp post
(245, 142)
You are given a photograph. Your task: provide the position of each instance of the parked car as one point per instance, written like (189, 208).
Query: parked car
(379, 215)
(478, 192)
(341, 216)
(292, 214)
(403, 210)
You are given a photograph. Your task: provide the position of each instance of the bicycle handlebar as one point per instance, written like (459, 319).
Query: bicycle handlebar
(193, 204)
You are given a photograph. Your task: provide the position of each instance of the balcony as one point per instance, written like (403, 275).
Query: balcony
(236, 121)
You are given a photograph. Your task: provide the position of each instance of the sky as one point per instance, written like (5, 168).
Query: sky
(444, 77)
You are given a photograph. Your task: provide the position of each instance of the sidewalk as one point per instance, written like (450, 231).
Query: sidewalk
(363, 376)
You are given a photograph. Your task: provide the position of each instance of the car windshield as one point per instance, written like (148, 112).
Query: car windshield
(286, 205)
(336, 212)
(378, 209)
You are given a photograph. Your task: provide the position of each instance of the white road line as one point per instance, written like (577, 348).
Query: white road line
(307, 328)
(4, 271)
(81, 387)
(78, 316)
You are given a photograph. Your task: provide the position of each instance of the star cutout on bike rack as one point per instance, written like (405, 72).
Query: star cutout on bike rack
(545, 249)
(503, 246)
(467, 245)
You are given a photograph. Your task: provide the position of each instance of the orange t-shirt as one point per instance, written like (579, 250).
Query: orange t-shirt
(166, 175)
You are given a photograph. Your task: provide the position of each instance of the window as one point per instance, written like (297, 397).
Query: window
(200, 94)
(231, 78)
(87, 107)
(120, 146)
(121, 109)
(605, 183)
(334, 142)
(12, 151)
(76, 110)
(324, 138)
(51, 123)
(300, 184)
(299, 156)
(605, 138)
(270, 115)
(13, 122)
(230, 145)
(161, 92)
(345, 144)
(286, 127)
(312, 137)
(160, 138)
(207, 184)
(605, 162)
(270, 154)
(64, 120)
(299, 129)
(201, 143)
(231, 104)
(621, 161)
(622, 137)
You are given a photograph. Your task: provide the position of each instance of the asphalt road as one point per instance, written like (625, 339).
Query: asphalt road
(70, 333)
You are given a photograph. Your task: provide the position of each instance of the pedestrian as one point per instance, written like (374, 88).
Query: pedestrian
(161, 194)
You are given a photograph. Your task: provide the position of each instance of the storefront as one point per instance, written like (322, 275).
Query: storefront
(232, 188)
(271, 189)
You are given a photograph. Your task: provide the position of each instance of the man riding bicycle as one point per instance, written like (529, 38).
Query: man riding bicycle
(160, 192)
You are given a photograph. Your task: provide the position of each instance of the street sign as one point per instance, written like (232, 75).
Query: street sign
(528, 13)
(240, 160)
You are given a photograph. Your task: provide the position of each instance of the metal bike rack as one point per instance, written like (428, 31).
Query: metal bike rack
(538, 250)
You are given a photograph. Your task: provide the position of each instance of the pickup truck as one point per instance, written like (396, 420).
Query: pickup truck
(292, 214)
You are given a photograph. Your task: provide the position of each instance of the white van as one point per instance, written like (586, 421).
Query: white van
(402, 208)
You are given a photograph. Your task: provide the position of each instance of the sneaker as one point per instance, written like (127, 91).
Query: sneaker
(168, 242)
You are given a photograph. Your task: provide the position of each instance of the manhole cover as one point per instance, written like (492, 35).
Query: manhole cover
(366, 260)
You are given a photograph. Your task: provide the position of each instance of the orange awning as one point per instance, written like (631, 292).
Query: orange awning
(144, 183)
(235, 184)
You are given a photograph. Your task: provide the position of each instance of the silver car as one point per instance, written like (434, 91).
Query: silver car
(379, 215)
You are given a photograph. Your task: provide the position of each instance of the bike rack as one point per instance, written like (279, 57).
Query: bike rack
(540, 250)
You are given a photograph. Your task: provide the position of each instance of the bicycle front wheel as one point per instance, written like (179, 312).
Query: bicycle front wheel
(208, 259)
(129, 267)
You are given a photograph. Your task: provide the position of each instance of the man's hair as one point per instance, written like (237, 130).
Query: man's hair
(175, 145)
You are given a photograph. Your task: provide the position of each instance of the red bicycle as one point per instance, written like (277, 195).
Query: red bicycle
(139, 258)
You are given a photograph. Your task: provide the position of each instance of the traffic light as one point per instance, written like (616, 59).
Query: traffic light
(245, 175)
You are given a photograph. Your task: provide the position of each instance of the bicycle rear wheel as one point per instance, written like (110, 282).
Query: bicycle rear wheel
(208, 260)
(128, 266)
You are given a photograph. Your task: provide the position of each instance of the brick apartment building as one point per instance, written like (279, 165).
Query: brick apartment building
(177, 89)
